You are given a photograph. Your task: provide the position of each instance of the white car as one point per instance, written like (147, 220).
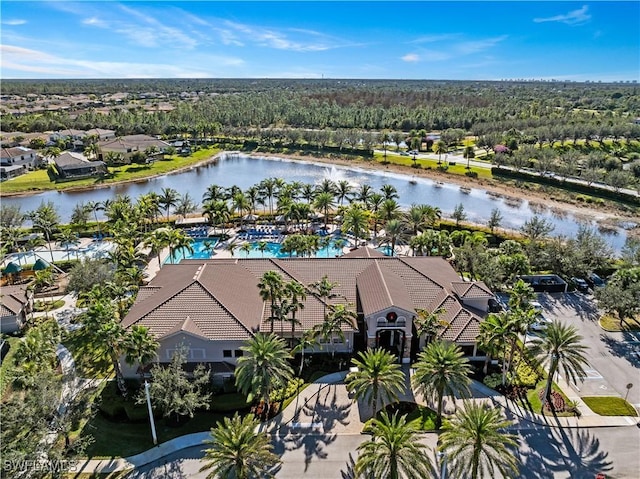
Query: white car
(540, 325)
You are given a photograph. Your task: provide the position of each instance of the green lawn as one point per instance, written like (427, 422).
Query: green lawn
(421, 417)
(609, 406)
(535, 403)
(39, 180)
(90, 361)
(7, 362)
(457, 169)
(612, 323)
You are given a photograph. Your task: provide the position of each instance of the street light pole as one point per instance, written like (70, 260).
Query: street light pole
(151, 420)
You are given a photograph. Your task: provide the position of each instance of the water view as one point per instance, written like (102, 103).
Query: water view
(245, 171)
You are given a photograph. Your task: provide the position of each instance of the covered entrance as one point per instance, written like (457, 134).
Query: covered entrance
(391, 340)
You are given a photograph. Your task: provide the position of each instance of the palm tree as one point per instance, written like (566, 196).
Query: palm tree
(356, 221)
(377, 376)
(439, 148)
(296, 294)
(46, 219)
(559, 348)
(307, 340)
(389, 192)
(389, 209)
(429, 324)
(178, 240)
(262, 247)
(168, 198)
(343, 190)
(67, 239)
(385, 137)
(324, 201)
(323, 290)
(139, 347)
(441, 370)
(476, 445)
(217, 211)
(264, 368)
(156, 240)
(333, 323)
(246, 248)
(237, 451)
(271, 286)
(394, 450)
(394, 233)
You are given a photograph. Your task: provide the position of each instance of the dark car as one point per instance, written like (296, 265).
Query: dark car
(595, 281)
(580, 284)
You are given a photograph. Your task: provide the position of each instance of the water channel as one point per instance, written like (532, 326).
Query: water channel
(245, 171)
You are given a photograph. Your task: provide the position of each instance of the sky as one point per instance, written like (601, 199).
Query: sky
(454, 40)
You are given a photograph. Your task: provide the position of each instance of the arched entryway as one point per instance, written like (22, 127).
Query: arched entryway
(391, 340)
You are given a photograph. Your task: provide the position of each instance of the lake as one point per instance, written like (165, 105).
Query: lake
(245, 171)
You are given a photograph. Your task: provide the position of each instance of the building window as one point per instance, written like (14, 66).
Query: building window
(238, 353)
(226, 353)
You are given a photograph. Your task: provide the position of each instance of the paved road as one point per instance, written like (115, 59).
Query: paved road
(612, 359)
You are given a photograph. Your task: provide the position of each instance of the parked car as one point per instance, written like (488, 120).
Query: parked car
(595, 281)
(495, 306)
(580, 284)
(541, 323)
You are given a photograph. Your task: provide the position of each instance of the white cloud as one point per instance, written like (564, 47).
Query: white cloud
(18, 59)
(95, 22)
(434, 38)
(14, 22)
(476, 46)
(574, 17)
(411, 58)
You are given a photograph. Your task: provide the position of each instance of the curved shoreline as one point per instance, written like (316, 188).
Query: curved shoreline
(607, 216)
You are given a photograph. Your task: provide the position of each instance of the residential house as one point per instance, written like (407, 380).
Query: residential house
(76, 165)
(131, 144)
(213, 306)
(17, 161)
(16, 302)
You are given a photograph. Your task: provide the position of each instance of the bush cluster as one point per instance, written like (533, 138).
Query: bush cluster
(557, 400)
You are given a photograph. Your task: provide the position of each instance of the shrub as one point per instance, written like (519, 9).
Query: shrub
(557, 400)
(493, 380)
(471, 174)
(285, 393)
(525, 375)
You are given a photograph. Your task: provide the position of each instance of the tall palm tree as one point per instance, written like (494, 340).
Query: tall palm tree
(389, 191)
(178, 240)
(263, 368)
(378, 377)
(339, 317)
(389, 209)
(394, 233)
(271, 285)
(296, 294)
(394, 450)
(343, 192)
(439, 148)
(324, 201)
(237, 451)
(139, 347)
(168, 199)
(559, 348)
(356, 221)
(323, 290)
(156, 240)
(217, 211)
(441, 370)
(476, 444)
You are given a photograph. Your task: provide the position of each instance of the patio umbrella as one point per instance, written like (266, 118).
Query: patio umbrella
(250, 217)
(11, 268)
(40, 265)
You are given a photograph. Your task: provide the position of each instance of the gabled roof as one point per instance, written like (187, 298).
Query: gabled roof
(222, 300)
(465, 290)
(380, 289)
(13, 299)
(69, 159)
(365, 252)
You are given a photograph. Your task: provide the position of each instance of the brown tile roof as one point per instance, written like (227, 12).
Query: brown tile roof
(221, 297)
(365, 252)
(465, 289)
(380, 288)
(13, 298)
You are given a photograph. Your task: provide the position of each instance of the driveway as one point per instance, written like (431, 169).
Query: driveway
(613, 362)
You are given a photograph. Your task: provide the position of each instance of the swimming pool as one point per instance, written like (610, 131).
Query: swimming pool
(272, 250)
(202, 249)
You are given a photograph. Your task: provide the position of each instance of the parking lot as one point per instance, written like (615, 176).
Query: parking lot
(614, 358)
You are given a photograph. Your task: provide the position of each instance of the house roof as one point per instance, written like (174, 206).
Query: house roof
(12, 299)
(365, 252)
(466, 289)
(219, 298)
(132, 143)
(15, 151)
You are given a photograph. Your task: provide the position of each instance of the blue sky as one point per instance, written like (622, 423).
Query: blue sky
(405, 40)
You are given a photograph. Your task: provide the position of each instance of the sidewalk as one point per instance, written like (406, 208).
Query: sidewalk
(325, 406)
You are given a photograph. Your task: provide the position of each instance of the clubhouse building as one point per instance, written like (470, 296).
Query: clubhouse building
(213, 306)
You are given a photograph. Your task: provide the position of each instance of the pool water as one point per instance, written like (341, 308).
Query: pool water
(202, 249)
(272, 250)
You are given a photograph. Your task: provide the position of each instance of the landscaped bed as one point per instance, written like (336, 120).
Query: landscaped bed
(419, 417)
(612, 323)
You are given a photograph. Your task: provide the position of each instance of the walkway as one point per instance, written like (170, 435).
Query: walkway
(325, 407)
